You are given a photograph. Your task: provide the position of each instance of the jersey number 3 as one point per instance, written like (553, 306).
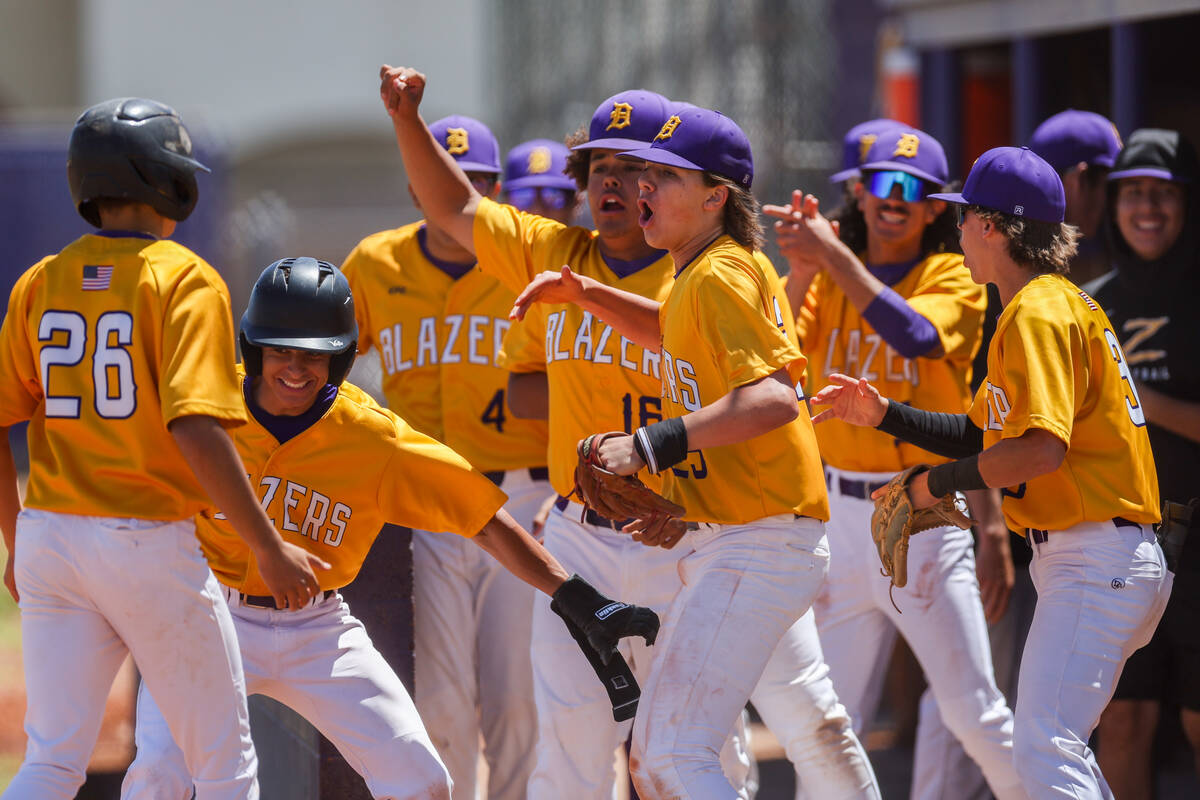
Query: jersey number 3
(113, 388)
(1134, 406)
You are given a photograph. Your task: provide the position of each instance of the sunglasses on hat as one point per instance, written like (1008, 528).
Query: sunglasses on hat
(526, 197)
(912, 188)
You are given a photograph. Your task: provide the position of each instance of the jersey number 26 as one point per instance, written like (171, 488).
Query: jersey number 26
(113, 389)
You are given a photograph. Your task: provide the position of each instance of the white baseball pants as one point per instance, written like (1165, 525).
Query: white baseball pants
(95, 588)
(1101, 591)
(472, 670)
(320, 662)
(941, 617)
(948, 771)
(743, 587)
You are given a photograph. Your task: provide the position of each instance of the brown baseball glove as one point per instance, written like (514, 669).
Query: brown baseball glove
(617, 496)
(895, 519)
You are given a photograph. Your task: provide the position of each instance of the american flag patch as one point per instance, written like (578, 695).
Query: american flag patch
(1090, 302)
(96, 278)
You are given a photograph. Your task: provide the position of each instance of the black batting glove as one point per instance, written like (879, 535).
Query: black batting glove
(603, 621)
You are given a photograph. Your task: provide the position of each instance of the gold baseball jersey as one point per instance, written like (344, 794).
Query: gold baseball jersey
(1055, 364)
(439, 338)
(724, 325)
(598, 379)
(102, 347)
(331, 488)
(837, 339)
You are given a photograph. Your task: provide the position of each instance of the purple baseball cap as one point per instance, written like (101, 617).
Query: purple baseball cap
(857, 142)
(702, 139)
(469, 141)
(1071, 137)
(1013, 180)
(626, 120)
(538, 162)
(1156, 153)
(908, 150)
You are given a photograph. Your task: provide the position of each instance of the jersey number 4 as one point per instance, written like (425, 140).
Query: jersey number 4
(113, 389)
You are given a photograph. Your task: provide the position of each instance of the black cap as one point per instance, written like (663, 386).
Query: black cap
(1156, 153)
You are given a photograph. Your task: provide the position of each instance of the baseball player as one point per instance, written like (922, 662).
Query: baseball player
(1081, 146)
(907, 315)
(298, 341)
(599, 377)
(1059, 427)
(758, 554)
(118, 351)
(438, 323)
(535, 180)
(1149, 299)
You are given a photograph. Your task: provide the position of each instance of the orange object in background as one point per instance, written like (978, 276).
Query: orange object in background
(986, 105)
(900, 84)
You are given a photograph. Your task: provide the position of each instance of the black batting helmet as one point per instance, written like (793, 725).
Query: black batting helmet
(132, 149)
(301, 304)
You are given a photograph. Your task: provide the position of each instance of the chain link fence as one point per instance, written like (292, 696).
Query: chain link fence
(768, 64)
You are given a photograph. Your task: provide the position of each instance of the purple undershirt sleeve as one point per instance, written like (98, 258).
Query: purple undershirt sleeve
(908, 333)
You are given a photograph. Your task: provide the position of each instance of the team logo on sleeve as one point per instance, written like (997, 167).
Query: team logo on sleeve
(539, 160)
(998, 407)
(620, 117)
(668, 128)
(457, 141)
(907, 146)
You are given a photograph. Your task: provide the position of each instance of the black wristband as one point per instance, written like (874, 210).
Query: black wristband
(663, 444)
(956, 476)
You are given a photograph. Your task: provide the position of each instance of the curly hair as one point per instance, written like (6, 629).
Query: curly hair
(578, 161)
(940, 236)
(741, 212)
(1040, 247)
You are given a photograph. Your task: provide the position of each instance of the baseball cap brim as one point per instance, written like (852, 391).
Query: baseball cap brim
(659, 155)
(611, 144)
(1147, 172)
(478, 166)
(553, 181)
(877, 166)
(845, 175)
(949, 197)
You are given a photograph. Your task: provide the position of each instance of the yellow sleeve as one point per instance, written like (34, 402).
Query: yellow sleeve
(427, 485)
(510, 244)
(524, 347)
(739, 316)
(197, 374)
(1042, 373)
(20, 389)
(954, 304)
(352, 269)
(806, 317)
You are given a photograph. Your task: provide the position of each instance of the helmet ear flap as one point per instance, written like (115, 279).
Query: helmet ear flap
(252, 355)
(340, 364)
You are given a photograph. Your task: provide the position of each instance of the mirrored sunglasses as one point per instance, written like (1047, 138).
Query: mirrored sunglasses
(912, 188)
(526, 197)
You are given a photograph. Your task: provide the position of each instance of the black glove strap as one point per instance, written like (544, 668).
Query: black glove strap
(617, 677)
(663, 444)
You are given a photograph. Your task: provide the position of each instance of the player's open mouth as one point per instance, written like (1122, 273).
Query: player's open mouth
(293, 385)
(1149, 225)
(893, 217)
(645, 212)
(611, 204)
